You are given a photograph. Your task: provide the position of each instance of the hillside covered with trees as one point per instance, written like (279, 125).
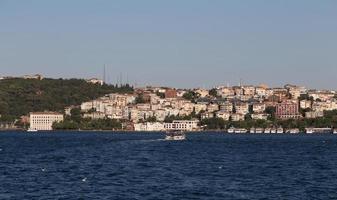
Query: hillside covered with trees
(20, 96)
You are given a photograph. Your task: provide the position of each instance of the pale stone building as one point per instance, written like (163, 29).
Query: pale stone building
(149, 126)
(237, 117)
(43, 121)
(242, 108)
(183, 125)
(223, 115)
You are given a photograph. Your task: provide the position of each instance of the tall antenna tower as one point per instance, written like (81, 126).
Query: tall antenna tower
(104, 73)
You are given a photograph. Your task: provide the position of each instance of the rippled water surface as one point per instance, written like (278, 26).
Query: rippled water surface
(143, 166)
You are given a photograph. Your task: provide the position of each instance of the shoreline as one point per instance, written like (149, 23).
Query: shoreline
(162, 132)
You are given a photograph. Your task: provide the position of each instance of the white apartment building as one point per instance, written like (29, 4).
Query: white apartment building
(223, 115)
(242, 108)
(161, 114)
(200, 107)
(43, 121)
(207, 115)
(305, 104)
(212, 107)
(237, 117)
(259, 107)
(202, 92)
(314, 114)
(87, 105)
(262, 116)
(226, 107)
(322, 106)
(95, 81)
(94, 115)
(183, 125)
(322, 95)
(225, 91)
(260, 91)
(155, 126)
(249, 90)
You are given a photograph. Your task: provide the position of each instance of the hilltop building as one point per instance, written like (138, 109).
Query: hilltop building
(170, 93)
(36, 77)
(95, 81)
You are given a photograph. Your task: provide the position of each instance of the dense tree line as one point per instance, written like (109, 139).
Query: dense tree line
(76, 122)
(329, 120)
(20, 96)
(88, 124)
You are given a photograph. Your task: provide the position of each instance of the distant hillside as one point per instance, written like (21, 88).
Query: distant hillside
(19, 96)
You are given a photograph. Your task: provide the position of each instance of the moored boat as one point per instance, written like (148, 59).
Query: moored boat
(240, 130)
(267, 130)
(294, 131)
(318, 130)
(280, 130)
(230, 130)
(32, 130)
(259, 130)
(335, 131)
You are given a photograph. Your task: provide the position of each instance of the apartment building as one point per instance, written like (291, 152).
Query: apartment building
(226, 106)
(242, 108)
(223, 115)
(237, 117)
(259, 107)
(287, 110)
(305, 104)
(249, 90)
(260, 116)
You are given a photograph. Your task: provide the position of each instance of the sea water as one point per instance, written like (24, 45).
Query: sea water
(80, 165)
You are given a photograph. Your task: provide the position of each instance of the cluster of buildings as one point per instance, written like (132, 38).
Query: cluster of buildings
(147, 108)
(34, 76)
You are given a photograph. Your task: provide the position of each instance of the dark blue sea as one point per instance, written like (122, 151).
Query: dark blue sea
(79, 165)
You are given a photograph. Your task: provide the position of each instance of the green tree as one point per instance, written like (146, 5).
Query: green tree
(271, 111)
(140, 99)
(76, 115)
(191, 96)
(152, 119)
(213, 92)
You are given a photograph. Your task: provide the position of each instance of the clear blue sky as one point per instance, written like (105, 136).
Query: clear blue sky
(180, 43)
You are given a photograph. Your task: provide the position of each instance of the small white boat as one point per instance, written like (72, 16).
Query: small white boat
(240, 130)
(280, 130)
(252, 130)
(309, 130)
(230, 130)
(259, 130)
(32, 130)
(294, 131)
(175, 136)
(335, 131)
(267, 130)
(319, 130)
(273, 130)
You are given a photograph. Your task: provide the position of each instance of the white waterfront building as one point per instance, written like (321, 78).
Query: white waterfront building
(183, 125)
(43, 121)
(149, 126)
